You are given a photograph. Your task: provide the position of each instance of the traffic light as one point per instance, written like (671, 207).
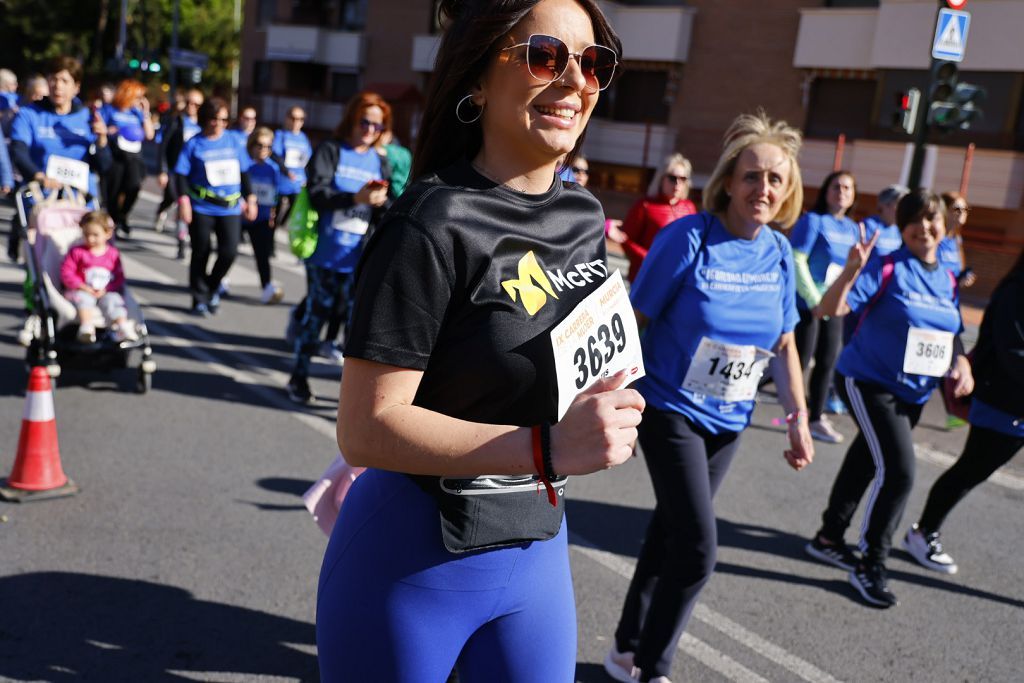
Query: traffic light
(952, 104)
(905, 116)
(133, 64)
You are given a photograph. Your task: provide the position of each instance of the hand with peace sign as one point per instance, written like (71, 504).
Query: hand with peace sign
(833, 302)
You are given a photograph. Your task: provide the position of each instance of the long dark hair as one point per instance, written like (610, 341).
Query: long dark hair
(472, 31)
(917, 205)
(821, 201)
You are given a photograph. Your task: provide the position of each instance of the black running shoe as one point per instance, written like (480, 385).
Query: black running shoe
(871, 582)
(180, 255)
(298, 390)
(835, 554)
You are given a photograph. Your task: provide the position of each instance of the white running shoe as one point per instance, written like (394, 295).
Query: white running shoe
(619, 665)
(927, 550)
(272, 293)
(161, 219)
(822, 429)
(32, 329)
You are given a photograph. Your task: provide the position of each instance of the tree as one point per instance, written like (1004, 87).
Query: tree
(32, 32)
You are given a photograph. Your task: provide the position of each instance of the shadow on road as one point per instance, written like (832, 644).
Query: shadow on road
(621, 529)
(59, 626)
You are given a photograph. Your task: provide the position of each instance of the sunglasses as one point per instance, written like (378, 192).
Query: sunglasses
(547, 58)
(220, 119)
(264, 146)
(371, 125)
(580, 171)
(297, 118)
(676, 178)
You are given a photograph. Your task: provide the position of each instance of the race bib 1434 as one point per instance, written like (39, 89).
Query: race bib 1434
(728, 372)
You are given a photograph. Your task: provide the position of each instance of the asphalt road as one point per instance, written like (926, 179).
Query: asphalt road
(187, 555)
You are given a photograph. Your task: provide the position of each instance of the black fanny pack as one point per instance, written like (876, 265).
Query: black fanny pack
(495, 512)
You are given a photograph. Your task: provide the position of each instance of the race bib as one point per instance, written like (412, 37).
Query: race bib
(98, 278)
(223, 172)
(728, 372)
(129, 146)
(832, 274)
(295, 158)
(68, 171)
(266, 195)
(598, 339)
(929, 352)
(355, 220)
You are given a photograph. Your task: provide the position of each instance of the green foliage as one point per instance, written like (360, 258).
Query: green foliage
(32, 31)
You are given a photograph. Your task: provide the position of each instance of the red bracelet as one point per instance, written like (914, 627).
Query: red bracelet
(538, 464)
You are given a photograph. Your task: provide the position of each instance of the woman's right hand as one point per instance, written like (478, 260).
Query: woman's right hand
(374, 193)
(185, 210)
(861, 250)
(599, 429)
(163, 180)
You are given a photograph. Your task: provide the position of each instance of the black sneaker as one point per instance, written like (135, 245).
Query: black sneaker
(180, 255)
(836, 554)
(298, 390)
(871, 581)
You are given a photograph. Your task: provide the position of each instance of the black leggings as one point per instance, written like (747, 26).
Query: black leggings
(882, 453)
(262, 237)
(124, 178)
(228, 230)
(687, 465)
(822, 340)
(986, 451)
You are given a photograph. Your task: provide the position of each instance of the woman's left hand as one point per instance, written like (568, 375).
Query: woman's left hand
(801, 451)
(251, 209)
(962, 376)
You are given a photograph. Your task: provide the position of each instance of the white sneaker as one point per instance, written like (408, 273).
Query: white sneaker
(126, 332)
(928, 552)
(161, 219)
(87, 334)
(272, 293)
(619, 665)
(32, 329)
(823, 430)
(332, 352)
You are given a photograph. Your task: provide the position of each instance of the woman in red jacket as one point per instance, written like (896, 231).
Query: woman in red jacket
(665, 202)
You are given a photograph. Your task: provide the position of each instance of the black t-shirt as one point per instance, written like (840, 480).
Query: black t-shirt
(464, 280)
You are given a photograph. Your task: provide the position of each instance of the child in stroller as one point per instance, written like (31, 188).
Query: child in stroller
(93, 280)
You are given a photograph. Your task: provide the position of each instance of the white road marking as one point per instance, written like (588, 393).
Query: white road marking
(945, 461)
(706, 654)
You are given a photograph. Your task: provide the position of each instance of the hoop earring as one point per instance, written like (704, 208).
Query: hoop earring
(479, 113)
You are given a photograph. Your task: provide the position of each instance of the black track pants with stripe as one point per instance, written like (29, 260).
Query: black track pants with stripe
(880, 461)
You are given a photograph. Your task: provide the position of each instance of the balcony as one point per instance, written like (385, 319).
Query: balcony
(291, 43)
(659, 34)
(615, 142)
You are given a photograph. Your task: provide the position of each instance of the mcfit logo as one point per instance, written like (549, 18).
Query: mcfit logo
(530, 276)
(534, 285)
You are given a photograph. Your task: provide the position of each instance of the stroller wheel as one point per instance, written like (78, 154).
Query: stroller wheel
(144, 382)
(53, 371)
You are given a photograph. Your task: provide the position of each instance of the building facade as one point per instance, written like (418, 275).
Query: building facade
(831, 68)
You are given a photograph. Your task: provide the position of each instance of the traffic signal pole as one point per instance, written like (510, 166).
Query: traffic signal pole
(922, 128)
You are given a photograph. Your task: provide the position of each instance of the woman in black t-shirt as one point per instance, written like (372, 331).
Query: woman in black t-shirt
(447, 547)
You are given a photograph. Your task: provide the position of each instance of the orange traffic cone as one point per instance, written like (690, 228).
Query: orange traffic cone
(37, 473)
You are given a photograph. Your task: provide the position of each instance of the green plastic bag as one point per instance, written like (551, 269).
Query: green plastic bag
(302, 222)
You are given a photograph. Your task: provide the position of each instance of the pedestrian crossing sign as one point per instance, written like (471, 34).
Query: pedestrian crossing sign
(951, 35)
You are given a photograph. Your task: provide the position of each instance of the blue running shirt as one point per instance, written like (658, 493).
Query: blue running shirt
(296, 151)
(916, 296)
(341, 232)
(216, 164)
(130, 132)
(949, 255)
(47, 133)
(990, 417)
(889, 241)
(697, 281)
(826, 241)
(264, 176)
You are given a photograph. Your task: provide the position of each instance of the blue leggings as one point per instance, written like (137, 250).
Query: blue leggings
(394, 605)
